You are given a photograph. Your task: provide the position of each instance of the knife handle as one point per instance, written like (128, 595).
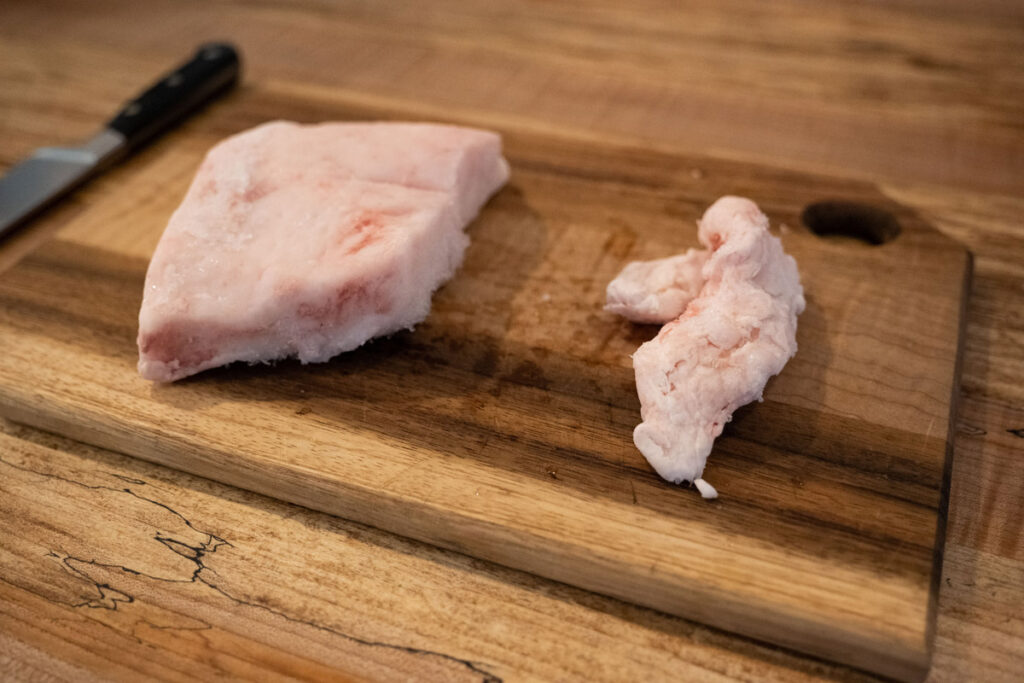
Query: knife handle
(213, 70)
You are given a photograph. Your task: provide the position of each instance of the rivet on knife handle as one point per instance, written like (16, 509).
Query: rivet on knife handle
(215, 67)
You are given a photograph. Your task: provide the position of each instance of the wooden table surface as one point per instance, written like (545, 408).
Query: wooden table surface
(112, 568)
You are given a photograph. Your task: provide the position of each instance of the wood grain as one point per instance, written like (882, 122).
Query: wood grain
(127, 569)
(881, 90)
(501, 427)
(887, 91)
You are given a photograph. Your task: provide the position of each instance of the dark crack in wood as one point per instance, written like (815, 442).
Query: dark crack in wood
(110, 598)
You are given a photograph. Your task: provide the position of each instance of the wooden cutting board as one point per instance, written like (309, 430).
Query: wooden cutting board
(501, 427)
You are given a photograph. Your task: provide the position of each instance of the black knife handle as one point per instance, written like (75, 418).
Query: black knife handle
(213, 70)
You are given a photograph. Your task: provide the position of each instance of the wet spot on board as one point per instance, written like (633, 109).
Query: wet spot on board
(620, 243)
(487, 363)
(529, 374)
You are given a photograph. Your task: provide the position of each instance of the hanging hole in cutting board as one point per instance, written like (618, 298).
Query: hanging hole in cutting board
(851, 219)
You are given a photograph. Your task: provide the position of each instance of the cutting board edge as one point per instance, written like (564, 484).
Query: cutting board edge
(113, 436)
(942, 520)
(693, 602)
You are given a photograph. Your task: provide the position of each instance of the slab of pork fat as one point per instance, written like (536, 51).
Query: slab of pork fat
(307, 241)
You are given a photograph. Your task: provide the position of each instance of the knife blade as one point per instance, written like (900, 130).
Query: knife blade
(30, 186)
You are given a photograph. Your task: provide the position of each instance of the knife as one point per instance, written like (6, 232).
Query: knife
(51, 172)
